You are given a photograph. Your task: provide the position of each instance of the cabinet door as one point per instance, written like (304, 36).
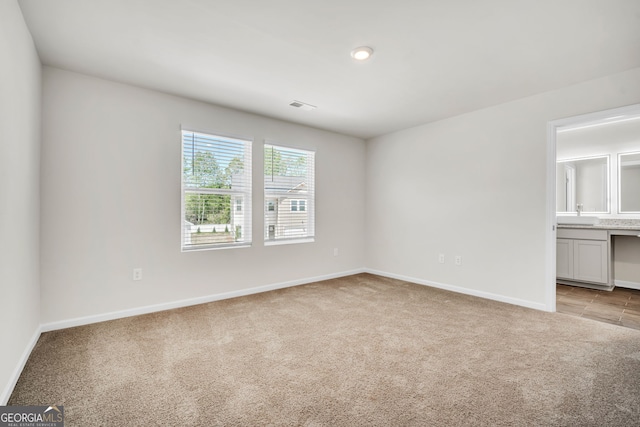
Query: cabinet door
(590, 261)
(564, 258)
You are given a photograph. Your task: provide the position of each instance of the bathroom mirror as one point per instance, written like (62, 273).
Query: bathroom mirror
(629, 182)
(583, 182)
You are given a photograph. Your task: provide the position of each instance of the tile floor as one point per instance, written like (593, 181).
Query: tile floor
(619, 307)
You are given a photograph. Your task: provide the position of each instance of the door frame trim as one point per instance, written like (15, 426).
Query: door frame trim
(598, 117)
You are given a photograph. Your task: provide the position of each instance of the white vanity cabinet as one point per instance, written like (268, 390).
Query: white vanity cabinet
(582, 257)
(564, 259)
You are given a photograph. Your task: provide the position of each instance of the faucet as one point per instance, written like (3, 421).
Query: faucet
(579, 208)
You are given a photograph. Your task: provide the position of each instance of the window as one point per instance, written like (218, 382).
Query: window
(289, 184)
(214, 180)
(298, 205)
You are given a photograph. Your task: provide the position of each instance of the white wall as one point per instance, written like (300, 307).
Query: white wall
(20, 86)
(111, 200)
(475, 185)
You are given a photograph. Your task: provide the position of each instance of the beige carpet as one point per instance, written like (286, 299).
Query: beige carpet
(361, 350)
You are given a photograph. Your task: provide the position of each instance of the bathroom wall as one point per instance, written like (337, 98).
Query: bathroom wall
(609, 140)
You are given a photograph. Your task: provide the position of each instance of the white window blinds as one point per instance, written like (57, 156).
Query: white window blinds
(216, 191)
(289, 194)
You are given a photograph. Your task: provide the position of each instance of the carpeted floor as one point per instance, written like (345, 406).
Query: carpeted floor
(360, 350)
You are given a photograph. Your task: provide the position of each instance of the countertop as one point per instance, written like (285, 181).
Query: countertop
(608, 224)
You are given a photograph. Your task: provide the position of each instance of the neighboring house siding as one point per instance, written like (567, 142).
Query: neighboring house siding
(282, 222)
(292, 223)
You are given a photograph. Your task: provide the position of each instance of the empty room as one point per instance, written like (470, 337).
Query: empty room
(328, 213)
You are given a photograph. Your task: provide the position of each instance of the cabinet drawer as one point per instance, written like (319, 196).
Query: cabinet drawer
(581, 233)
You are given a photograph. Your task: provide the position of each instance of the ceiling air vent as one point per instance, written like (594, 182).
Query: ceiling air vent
(302, 105)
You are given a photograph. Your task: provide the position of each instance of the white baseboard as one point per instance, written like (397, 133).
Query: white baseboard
(625, 284)
(461, 290)
(79, 321)
(6, 393)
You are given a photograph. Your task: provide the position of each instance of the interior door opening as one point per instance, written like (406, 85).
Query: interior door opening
(570, 204)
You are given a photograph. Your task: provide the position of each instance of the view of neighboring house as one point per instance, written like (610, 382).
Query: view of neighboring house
(286, 212)
(217, 198)
(286, 207)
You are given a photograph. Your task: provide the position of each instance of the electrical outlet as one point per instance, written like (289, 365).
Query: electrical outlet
(335, 251)
(137, 274)
(458, 260)
(441, 258)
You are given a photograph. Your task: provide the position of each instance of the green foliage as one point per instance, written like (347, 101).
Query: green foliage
(273, 163)
(198, 231)
(235, 167)
(214, 230)
(226, 228)
(288, 165)
(202, 170)
(238, 232)
(207, 208)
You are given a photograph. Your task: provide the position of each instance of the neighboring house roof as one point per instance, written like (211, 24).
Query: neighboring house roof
(284, 186)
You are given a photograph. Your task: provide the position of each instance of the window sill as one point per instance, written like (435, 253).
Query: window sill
(289, 241)
(216, 247)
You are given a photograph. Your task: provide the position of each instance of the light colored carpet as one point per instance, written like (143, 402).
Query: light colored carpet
(360, 350)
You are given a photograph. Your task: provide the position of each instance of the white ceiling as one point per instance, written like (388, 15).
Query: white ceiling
(433, 58)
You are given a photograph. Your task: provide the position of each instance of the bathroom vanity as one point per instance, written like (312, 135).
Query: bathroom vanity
(598, 204)
(585, 255)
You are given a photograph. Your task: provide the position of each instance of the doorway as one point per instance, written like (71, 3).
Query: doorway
(585, 121)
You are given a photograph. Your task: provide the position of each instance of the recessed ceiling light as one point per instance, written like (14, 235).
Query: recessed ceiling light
(361, 53)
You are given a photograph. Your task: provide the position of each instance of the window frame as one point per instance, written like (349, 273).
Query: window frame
(308, 201)
(246, 193)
